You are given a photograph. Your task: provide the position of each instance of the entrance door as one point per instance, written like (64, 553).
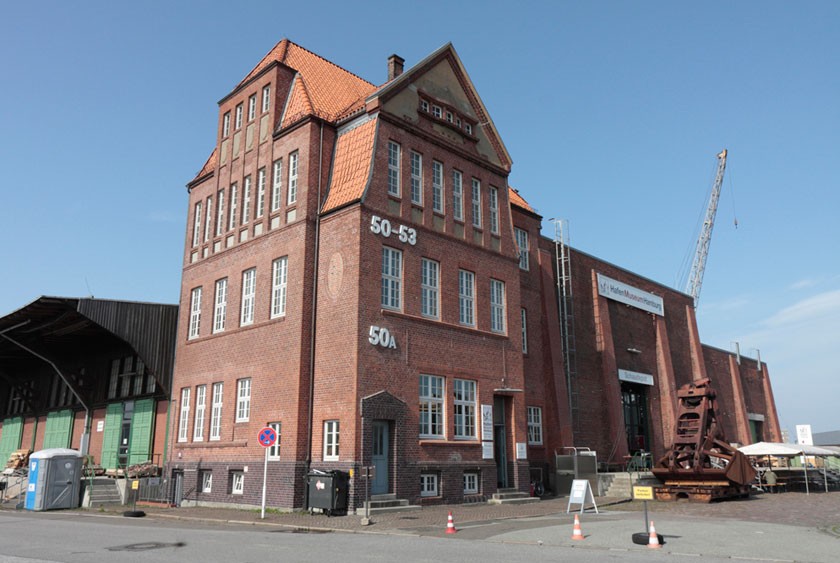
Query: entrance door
(177, 487)
(64, 478)
(634, 402)
(500, 442)
(379, 456)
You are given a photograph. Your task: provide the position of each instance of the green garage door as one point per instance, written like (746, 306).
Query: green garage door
(111, 436)
(10, 438)
(59, 429)
(142, 423)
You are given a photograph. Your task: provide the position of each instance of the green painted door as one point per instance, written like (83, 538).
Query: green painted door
(59, 429)
(141, 431)
(111, 437)
(10, 438)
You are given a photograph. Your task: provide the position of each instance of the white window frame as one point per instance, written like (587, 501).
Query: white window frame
(233, 202)
(249, 291)
(246, 200)
(466, 298)
(468, 128)
(416, 161)
(184, 421)
(216, 412)
(274, 451)
(524, 315)
(524, 248)
(220, 306)
(429, 288)
(293, 178)
(266, 98)
(391, 295)
(432, 397)
(279, 277)
(238, 121)
(226, 124)
(200, 410)
(471, 483)
(464, 391)
(252, 107)
(535, 428)
(276, 184)
(394, 161)
(437, 186)
(497, 306)
(475, 199)
(458, 195)
(195, 313)
(237, 482)
(196, 224)
(260, 192)
(220, 213)
(437, 111)
(243, 399)
(429, 485)
(206, 481)
(208, 219)
(494, 210)
(331, 440)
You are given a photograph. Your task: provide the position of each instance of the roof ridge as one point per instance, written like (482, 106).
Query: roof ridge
(289, 41)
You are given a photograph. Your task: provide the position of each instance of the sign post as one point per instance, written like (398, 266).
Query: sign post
(267, 438)
(644, 494)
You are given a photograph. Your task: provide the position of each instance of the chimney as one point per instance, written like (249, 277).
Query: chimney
(395, 66)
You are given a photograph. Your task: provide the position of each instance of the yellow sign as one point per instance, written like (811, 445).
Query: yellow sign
(643, 493)
(135, 485)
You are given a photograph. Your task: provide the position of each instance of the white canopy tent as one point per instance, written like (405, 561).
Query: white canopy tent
(776, 449)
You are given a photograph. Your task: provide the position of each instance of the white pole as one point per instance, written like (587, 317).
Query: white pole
(265, 471)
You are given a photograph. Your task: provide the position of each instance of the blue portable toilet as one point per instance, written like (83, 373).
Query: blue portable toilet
(54, 479)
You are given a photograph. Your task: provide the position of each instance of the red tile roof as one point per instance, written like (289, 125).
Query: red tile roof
(518, 200)
(209, 166)
(351, 165)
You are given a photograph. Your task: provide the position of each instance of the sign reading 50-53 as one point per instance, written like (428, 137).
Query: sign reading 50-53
(380, 226)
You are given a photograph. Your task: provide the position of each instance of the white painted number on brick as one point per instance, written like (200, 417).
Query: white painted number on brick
(380, 226)
(381, 336)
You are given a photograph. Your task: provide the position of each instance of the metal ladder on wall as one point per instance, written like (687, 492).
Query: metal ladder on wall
(567, 315)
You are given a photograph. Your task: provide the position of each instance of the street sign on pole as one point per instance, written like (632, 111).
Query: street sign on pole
(267, 438)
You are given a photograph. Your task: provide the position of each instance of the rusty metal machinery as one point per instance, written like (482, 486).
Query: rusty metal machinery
(701, 466)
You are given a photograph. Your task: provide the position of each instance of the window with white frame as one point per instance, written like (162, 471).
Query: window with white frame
(200, 406)
(476, 203)
(465, 396)
(524, 331)
(252, 107)
(243, 399)
(428, 484)
(437, 111)
(274, 451)
(237, 482)
(266, 98)
(468, 128)
(195, 313)
(220, 306)
(226, 124)
(276, 184)
(416, 178)
(437, 186)
(497, 306)
(184, 421)
(393, 168)
(522, 243)
(196, 224)
(431, 406)
(220, 214)
(279, 270)
(293, 178)
(246, 200)
(233, 202)
(429, 288)
(260, 192)
(216, 412)
(535, 435)
(330, 440)
(238, 123)
(249, 278)
(206, 481)
(466, 298)
(494, 210)
(391, 278)
(471, 483)
(457, 195)
(208, 222)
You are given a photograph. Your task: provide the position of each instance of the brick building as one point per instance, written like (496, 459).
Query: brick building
(353, 278)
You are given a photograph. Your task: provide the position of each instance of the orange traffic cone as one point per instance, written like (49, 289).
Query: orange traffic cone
(653, 542)
(577, 533)
(450, 525)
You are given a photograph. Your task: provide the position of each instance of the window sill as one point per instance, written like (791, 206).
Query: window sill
(443, 442)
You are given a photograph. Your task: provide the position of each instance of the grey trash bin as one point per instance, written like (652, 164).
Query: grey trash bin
(328, 491)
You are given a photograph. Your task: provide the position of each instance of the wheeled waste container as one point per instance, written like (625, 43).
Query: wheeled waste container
(327, 490)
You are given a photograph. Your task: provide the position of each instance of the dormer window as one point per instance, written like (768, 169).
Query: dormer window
(468, 128)
(449, 117)
(458, 122)
(437, 112)
(445, 114)
(424, 105)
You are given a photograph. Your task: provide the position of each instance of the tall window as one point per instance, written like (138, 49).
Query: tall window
(391, 278)
(330, 440)
(276, 184)
(184, 421)
(233, 202)
(208, 222)
(238, 122)
(195, 313)
(466, 298)
(226, 124)
(237, 483)
(220, 214)
(293, 178)
(393, 168)
(416, 178)
(476, 203)
(522, 243)
(249, 278)
(497, 306)
(494, 210)
(243, 399)
(198, 423)
(524, 331)
(246, 200)
(220, 306)
(206, 481)
(457, 195)
(274, 451)
(278, 287)
(535, 425)
(216, 412)
(437, 186)
(266, 98)
(464, 408)
(252, 107)
(428, 484)
(431, 406)
(196, 224)
(260, 192)
(429, 287)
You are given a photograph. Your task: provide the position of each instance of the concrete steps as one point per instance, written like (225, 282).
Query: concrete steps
(101, 491)
(511, 496)
(621, 484)
(386, 503)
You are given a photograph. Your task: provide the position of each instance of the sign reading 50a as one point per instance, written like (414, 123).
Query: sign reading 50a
(381, 336)
(380, 226)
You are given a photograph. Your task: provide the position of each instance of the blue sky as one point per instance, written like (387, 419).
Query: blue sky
(613, 113)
